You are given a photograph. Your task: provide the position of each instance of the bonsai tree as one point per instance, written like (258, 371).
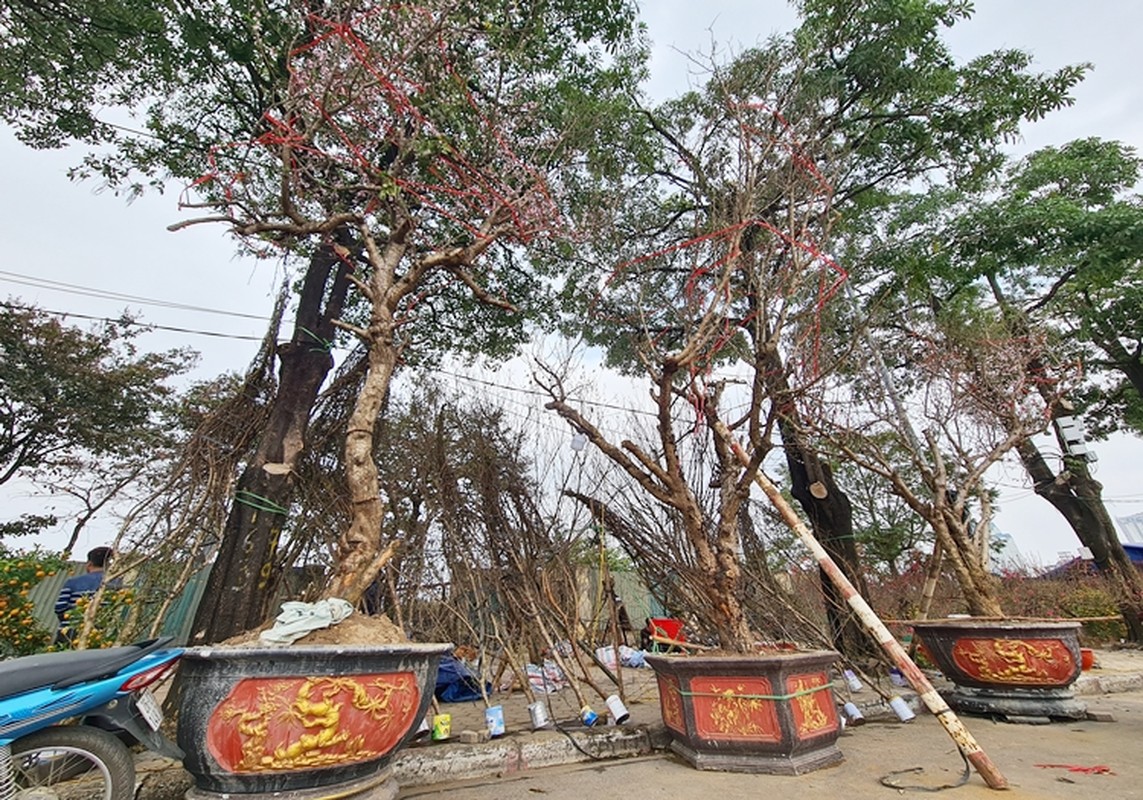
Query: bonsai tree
(720, 256)
(427, 132)
(929, 429)
(1049, 246)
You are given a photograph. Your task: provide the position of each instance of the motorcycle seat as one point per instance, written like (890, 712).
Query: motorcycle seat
(33, 672)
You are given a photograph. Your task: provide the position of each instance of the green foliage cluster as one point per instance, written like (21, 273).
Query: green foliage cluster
(25, 525)
(1090, 599)
(20, 633)
(586, 553)
(1054, 242)
(65, 391)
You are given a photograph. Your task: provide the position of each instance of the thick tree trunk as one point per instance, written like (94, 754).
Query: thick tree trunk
(1078, 496)
(831, 517)
(978, 587)
(360, 554)
(245, 576)
(828, 509)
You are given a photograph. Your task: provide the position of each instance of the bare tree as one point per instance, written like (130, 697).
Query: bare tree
(943, 430)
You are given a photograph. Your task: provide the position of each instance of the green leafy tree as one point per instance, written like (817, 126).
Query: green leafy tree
(208, 85)
(66, 391)
(889, 533)
(442, 172)
(62, 62)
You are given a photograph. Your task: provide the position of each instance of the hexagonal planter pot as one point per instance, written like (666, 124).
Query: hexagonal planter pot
(1012, 670)
(767, 713)
(312, 720)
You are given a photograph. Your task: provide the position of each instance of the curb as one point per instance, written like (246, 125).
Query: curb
(1108, 684)
(1086, 685)
(521, 752)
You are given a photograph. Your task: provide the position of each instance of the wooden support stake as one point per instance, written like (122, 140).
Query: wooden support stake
(936, 704)
(677, 643)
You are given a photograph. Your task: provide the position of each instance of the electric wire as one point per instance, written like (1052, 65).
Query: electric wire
(88, 291)
(130, 323)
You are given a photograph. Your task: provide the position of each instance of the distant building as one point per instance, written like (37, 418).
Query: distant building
(1005, 554)
(1131, 528)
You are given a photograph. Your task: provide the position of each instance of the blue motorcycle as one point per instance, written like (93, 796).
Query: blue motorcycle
(66, 720)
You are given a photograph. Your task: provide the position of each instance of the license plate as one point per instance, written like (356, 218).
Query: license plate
(149, 708)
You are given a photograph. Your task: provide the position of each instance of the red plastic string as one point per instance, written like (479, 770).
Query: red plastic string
(384, 107)
(1098, 769)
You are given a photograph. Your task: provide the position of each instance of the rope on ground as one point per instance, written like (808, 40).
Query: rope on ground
(887, 779)
(556, 724)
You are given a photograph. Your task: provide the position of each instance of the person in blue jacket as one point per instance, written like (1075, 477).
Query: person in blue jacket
(81, 585)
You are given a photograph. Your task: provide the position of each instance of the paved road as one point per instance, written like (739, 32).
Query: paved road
(872, 753)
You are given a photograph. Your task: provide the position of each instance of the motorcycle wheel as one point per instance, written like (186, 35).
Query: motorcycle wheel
(72, 763)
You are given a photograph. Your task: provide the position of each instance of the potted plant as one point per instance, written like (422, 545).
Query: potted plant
(720, 267)
(723, 286)
(413, 142)
(933, 447)
(265, 720)
(1015, 670)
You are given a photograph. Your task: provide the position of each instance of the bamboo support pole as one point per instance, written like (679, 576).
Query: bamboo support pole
(676, 643)
(932, 575)
(936, 704)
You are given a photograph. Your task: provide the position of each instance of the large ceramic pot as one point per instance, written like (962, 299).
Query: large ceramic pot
(1007, 669)
(305, 719)
(750, 713)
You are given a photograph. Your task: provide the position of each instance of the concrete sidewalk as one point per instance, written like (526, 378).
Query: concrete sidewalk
(521, 749)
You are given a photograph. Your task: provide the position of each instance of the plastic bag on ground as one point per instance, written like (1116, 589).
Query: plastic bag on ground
(546, 679)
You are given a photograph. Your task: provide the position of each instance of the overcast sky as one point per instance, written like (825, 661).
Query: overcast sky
(54, 230)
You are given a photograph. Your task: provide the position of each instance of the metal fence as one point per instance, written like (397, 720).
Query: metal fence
(177, 620)
(179, 617)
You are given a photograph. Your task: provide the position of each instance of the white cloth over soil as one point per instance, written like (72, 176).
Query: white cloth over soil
(298, 619)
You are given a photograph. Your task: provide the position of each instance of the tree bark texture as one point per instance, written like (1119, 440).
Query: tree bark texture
(1079, 498)
(826, 506)
(360, 556)
(713, 543)
(831, 519)
(245, 575)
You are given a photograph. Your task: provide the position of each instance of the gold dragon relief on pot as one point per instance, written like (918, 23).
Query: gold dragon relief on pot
(1015, 661)
(302, 723)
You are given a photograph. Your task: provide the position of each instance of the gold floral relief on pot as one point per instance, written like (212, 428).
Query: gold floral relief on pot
(671, 703)
(808, 695)
(729, 709)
